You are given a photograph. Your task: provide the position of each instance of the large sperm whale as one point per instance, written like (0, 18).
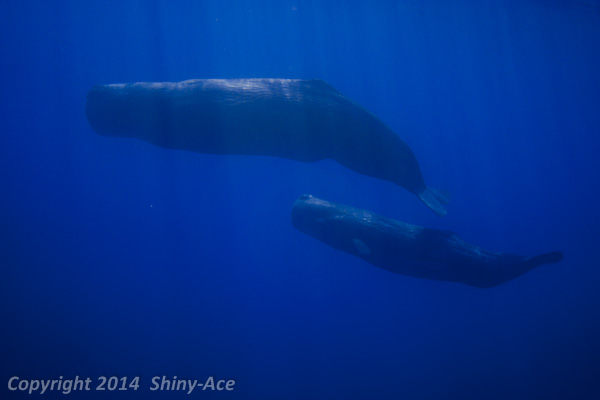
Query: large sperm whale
(303, 120)
(409, 249)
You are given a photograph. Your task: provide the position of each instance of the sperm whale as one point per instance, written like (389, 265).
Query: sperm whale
(303, 120)
(409, 249)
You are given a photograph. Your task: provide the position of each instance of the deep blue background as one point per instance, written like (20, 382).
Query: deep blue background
(120, 258)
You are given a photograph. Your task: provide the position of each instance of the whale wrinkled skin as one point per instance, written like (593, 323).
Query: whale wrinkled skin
(409, 249)
(303, 120)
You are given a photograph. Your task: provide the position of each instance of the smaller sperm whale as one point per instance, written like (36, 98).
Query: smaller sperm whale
(409, 249)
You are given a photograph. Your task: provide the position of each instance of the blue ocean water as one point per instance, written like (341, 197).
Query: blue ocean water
(120, 258)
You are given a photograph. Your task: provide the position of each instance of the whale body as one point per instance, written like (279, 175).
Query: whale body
(409, 249)
(303, 120)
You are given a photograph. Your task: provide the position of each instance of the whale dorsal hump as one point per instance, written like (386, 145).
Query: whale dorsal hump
(321, 85)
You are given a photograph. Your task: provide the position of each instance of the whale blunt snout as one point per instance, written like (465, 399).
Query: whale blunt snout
(105, 111)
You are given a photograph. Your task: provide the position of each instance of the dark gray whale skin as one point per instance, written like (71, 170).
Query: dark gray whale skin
(409, 249)
(303, 120)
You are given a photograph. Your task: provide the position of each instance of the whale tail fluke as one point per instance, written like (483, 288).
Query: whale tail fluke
(435, 199)
(527, 264)
(510, 266)
(547, 258)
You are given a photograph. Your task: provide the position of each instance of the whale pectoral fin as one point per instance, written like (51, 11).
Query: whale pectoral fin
(361, 247)
(435, 199)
